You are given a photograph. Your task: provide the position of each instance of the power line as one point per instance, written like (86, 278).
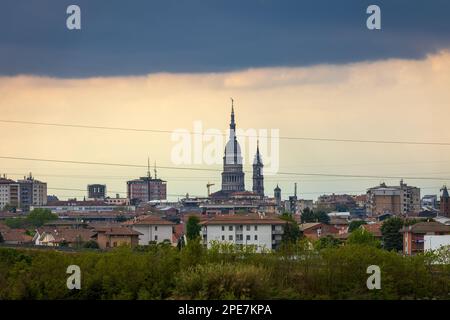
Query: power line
(80, 126)
(119, 192)
(219, 170)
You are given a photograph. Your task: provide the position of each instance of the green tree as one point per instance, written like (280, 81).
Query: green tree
(327, 242)
(38, 217)
(308, 216)
(1, 238)
(193, 228)
(291, 230)
(362, 237)
(355, 224)
(322, 216)
(391, 236)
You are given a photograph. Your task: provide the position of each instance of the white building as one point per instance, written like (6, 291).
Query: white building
(434, 242)
(9, 193)
(258, 230)
(153, 229)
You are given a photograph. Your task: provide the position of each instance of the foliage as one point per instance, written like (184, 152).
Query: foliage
(1, 238)
(291, 230)
(225, 272)
(326, 242)
(309, 215)
(362, 237)
(391, 236)
(34, 219)
(193, 228)
(355, 224)
(322, 216)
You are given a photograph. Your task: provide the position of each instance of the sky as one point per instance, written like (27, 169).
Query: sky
(304, 68)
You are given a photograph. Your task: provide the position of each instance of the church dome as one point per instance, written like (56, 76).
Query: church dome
(233, 152)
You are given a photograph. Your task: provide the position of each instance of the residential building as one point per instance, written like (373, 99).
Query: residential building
(146, 189)
(153, 229)
(414, 235)
(111, 237)
(62, 236)
(338, 202)
(32, 193)
(96, 191)
(9, 193)
(435, 242)
(373, 228)
(402, 200)
(316, 230)
(260, 231)
(429, 201)
(14, 236)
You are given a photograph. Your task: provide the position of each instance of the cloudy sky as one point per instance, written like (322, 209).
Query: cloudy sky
(307, 68)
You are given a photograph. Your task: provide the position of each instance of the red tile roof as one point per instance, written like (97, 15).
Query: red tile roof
(150, 220)
(373, 228)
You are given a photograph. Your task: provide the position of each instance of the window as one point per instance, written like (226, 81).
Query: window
(230, 238)
(230, 228)
(248, 237)
(114, 244)
(156, 228)
(223, 228)
(256, 228)
(156, 238)
(223, 238)
(248, 228)
(256, 237)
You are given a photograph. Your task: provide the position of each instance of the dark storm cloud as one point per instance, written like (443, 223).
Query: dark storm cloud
(144, 36)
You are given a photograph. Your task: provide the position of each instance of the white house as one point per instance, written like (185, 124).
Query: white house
(153, 229)
(434, 242)
(258, 230)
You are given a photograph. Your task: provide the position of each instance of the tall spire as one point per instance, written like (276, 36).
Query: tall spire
(232, 123)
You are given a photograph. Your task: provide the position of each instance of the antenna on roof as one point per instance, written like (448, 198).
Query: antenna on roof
(148, 168)
(155, 171)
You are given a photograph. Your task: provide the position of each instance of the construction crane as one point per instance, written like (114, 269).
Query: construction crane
(208, 186)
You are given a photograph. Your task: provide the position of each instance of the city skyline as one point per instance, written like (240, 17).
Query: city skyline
(414, 91)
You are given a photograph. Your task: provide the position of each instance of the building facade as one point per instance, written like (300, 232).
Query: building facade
(265, 233)
(96, 191)
(402, 200)
(444, 208)
(32, 193)
(233, 174)
(146, 189)
(153, 229)
(9, 193)
(258, 176)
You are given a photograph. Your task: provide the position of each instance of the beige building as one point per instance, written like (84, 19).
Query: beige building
(112, 237)
(9, 193)
(402, 200)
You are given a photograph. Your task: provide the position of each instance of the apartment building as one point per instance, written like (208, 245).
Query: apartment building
(153, 229)
(9, 193)
(32, 193)
(257, 230)
(402, 200)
